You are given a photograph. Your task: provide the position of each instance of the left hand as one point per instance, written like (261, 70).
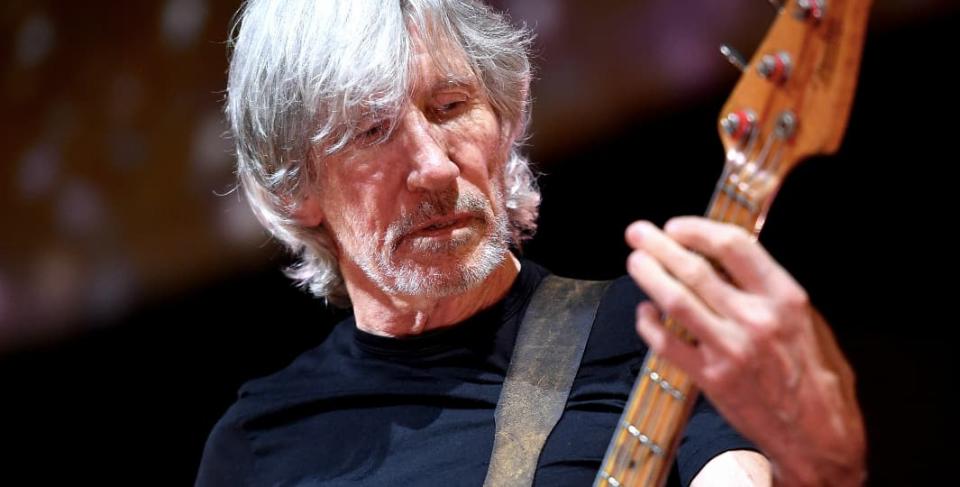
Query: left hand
(763, 355)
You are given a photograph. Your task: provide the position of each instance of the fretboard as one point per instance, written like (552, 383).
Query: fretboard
(645, 441)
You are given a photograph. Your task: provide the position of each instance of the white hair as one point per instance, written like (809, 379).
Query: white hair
(304, 73)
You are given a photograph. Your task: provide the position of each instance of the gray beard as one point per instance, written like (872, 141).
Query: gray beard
(409, 277)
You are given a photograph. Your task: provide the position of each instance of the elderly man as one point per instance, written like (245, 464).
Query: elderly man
(378, 140)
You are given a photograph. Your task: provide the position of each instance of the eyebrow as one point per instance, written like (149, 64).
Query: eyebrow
(454, 81)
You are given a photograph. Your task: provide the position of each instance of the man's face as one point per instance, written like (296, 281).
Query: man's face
(422, 213)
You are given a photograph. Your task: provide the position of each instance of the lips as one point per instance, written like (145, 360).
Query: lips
(438, 229)
(442, 223)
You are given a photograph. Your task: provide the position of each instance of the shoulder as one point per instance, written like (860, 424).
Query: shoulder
(292, 384)
(228, 457)
(321, 364)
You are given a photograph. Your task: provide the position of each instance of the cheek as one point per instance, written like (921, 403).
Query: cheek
(364, 193)
(479, 149)
(369, 210)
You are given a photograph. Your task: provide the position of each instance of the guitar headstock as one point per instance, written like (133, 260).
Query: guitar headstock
(794, 97)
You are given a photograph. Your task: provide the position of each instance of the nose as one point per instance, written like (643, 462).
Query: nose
(430, 167)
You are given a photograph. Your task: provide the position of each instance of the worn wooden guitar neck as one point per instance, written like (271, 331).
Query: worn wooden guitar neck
(643, 447)
(791, 103)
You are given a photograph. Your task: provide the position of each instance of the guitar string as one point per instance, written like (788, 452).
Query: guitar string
(659, 430)
(645, 458)
(628, 454)
(723, 207)
(625, 469)
(739, 174)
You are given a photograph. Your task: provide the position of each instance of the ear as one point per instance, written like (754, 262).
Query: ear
(309, 212)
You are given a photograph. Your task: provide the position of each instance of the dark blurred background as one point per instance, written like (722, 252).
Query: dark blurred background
(137, 292)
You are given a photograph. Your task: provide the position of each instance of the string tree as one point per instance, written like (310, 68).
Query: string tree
(734, 57)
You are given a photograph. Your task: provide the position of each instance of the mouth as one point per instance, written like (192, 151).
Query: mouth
(441, 225)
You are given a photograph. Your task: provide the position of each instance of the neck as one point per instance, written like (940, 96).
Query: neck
(395, 316)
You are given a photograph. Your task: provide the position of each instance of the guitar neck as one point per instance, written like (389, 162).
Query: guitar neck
(643, 446)
(646, 437)
(792, 103)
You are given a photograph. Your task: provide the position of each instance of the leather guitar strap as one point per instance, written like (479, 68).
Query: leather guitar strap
(545, 360)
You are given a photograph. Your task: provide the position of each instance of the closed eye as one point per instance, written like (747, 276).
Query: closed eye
(450, 109)
(373, 133)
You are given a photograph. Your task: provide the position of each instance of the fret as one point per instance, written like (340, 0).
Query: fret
(667, 427)
(610, 479)
(660, 381)
(797, 116)
(642, 403)
(653, 422)
(639, 455)
(644, 439)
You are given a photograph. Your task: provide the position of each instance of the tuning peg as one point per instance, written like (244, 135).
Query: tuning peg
(811, 9)
(786, 125)
(739, 124)
(775, 67)
(734, 57)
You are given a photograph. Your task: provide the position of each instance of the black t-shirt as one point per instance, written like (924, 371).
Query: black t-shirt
(362, 409)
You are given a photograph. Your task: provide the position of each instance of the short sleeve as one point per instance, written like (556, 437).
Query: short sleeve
(706, 436)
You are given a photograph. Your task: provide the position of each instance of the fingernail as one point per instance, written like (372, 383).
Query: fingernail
(638, 229)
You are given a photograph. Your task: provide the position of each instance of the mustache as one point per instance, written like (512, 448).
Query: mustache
(435, 205)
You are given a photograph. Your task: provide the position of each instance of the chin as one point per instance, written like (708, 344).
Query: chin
(447, 273)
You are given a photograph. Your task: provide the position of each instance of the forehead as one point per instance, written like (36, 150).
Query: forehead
(439, 63)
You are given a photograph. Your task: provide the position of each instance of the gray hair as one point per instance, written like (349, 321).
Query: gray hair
(304, 73)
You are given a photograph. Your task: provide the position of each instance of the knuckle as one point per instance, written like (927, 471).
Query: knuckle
(761, 320)
(694, 271)
(795, 299)
(732, 241)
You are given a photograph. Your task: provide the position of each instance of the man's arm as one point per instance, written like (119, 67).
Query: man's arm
(763, 355)
(735, 468)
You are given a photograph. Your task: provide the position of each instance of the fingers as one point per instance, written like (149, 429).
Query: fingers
(736, 251)
(678, 301)
(665, 343)
(765, 358)
(691, 269)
